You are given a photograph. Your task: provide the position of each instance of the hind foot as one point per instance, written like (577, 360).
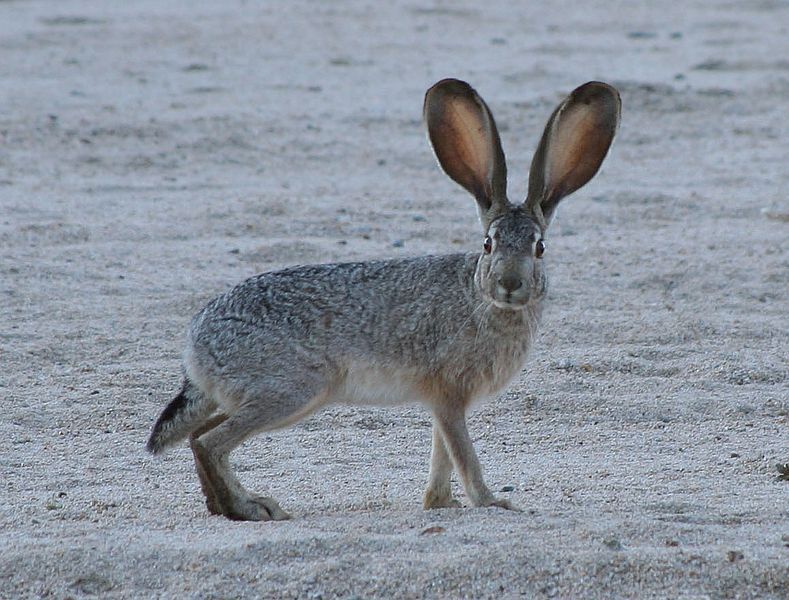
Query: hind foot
(252, 508)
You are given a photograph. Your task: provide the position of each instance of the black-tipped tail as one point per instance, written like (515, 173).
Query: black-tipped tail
(180, 417)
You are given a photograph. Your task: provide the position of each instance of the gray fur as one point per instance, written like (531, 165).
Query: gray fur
(442, 330)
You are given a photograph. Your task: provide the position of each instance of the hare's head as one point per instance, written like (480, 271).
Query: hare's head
(466, 142)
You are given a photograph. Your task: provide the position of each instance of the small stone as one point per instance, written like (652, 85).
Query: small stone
(432, 530)
(641, 35)
(734, 555)
(508, 488)
(612, 544)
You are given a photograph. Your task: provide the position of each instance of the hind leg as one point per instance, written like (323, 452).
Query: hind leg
(209, 491)
(224, 493)
(213, 443)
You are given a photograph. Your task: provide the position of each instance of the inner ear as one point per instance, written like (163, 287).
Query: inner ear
(580, 141)
(465, 140)
(574, 144)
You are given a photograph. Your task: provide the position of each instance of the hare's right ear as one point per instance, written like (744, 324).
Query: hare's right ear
(466, 142)
(573, 146)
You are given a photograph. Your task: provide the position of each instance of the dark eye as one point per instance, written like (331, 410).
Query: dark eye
(539, 249)
(487, 245)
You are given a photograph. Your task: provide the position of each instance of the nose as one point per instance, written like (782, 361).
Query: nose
(510, 282)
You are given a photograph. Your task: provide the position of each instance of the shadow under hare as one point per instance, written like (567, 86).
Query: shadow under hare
(443, 330)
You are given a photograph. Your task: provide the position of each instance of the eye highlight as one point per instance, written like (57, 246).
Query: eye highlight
(539, 248)
(487, 245)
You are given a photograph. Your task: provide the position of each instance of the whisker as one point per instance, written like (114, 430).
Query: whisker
(483, 321)
(482, 305)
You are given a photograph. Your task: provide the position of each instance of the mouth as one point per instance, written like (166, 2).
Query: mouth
(510, 304)
(515, 301)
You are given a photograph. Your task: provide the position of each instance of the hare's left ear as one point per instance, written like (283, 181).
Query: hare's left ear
(573, 146)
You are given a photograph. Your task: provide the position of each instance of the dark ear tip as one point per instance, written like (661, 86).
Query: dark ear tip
(450, 87)
(597, 91)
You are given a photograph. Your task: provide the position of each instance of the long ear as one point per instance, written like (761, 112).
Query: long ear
(573, 146)
(466, 142)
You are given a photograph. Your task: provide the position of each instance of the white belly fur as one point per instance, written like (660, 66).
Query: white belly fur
(378, 387)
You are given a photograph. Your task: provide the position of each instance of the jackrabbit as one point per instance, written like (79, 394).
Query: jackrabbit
(443, 330)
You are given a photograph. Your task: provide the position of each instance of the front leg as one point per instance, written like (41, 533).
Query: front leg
(439, 490)
(451, 421)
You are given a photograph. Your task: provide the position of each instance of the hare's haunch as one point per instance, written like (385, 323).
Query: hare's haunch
(442, 330)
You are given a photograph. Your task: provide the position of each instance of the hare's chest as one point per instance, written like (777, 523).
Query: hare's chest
(501, 358)
(509, 362)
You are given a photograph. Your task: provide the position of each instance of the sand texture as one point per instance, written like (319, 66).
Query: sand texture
(152, 154)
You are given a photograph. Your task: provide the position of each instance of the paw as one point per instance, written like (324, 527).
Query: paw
(256, 508)
(447, 503)
(434, 499)
(275, 512)
(501, 503)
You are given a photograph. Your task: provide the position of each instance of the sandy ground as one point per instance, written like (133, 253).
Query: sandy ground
(153, 154)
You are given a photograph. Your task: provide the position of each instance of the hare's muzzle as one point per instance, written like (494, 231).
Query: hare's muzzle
(510, 283)
(511, 291)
